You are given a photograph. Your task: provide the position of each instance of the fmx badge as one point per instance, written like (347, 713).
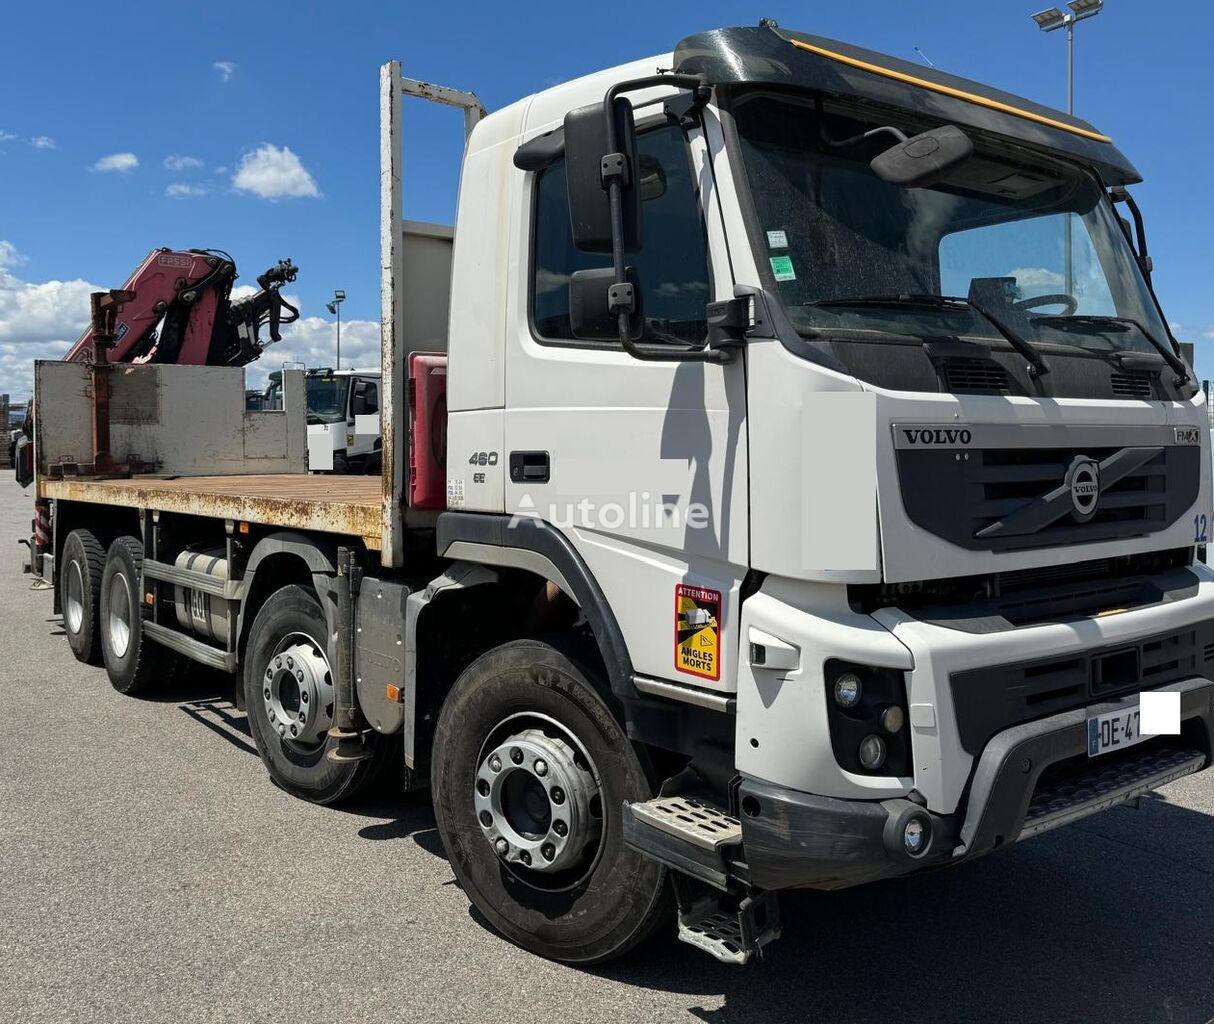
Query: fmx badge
(697, 631)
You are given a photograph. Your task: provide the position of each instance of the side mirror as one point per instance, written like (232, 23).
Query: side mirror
(590, 315)
(588, 169)
(924, 159)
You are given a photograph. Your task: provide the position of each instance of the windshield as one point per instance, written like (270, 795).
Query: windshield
(327, 398)
(994, 232)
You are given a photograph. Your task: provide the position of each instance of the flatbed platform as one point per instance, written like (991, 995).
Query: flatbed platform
(350, 505)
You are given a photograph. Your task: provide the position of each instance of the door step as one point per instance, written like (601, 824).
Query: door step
(699, 823)
(732, 936)
(686, 835)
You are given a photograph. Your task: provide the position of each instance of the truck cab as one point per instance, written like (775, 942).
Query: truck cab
(343, 418)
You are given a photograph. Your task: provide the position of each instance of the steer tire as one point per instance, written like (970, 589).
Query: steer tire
(135, 663)
(82, 565)
(612, 897)
(305, 772)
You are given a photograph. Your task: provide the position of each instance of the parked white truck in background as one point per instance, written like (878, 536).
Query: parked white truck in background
(804, 515)
(343, 418)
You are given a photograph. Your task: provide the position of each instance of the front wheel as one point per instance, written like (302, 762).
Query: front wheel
(289, 697)
(530, 772)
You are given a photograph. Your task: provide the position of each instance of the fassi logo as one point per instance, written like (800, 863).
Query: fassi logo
(938, 435)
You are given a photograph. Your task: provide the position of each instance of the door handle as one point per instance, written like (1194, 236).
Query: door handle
(530, 467)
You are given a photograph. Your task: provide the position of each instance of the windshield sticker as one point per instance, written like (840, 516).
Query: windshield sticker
(777, 240)
(781, 267)
(697, 631)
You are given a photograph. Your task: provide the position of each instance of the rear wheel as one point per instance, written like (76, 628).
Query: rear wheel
(134, 663)
(289, 697)
(80, 593)
(529, 776)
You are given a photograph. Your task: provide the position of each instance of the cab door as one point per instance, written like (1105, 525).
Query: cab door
(642, 465)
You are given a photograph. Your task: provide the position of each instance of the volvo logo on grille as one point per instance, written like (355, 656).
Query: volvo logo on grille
(1083, 479)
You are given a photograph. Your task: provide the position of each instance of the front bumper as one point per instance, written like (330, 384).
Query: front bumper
(1028, 779)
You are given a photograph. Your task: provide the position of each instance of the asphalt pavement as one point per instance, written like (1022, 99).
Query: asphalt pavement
(149, 871)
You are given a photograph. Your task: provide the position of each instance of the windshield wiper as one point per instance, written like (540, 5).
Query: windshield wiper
(1169, 356)
(1037, 365)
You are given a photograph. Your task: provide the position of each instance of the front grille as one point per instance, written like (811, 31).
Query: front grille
(989, 700)
(975, 375)
(1131, 385)
(958, 495)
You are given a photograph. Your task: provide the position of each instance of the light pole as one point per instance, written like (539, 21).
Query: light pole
(339, 297)
(1048, 20)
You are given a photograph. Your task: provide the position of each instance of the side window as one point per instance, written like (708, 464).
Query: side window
(673, 263)
(366, 398)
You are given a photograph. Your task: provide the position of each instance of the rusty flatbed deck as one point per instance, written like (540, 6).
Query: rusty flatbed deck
(349, 505)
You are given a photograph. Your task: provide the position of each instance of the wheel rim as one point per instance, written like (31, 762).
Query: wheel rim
(120, 614)
(538, 801)
(297, 691)
(73, 601)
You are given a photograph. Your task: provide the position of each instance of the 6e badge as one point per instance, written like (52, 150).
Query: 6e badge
(697, 631)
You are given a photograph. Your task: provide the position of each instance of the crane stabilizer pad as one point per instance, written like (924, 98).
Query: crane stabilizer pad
(697, 631)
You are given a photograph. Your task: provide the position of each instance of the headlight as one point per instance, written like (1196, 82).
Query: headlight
(872, 752)
(848, 690)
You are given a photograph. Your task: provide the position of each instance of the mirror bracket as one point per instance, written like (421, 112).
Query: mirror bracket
(621, 298)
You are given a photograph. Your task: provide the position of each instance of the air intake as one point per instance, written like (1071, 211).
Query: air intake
(1131, 385)
(975, 375)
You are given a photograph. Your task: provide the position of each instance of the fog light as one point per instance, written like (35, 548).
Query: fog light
(892, 718)
(848, 690)
(915, 836)
(872, 752)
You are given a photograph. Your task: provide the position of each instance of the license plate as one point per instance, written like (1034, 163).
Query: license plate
(1113, 730)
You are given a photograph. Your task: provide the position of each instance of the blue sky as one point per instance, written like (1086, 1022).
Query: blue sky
(289, 93)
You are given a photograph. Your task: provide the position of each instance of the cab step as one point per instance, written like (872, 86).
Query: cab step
(687, 835)
(730, 930)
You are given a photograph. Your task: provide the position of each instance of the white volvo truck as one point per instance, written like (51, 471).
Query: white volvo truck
(819, 486)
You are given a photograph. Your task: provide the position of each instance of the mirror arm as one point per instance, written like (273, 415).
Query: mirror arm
(1121, 194)
(621, 296)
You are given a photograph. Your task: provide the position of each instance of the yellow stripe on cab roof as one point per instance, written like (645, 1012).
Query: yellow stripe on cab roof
(948, 90)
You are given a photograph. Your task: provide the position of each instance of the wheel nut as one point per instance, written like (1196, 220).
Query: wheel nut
(541, 768)
(303, 697)
(278, 662)
(548, 850)
(303, 717)
(516, 755)
(282, 729)
(267, 693)
(482, 787)
(294, 731)
(269, 673)
(558, 795)
(502, 847)
(525, 857)
(487, 820)
(560, 828)
(290, 662)
(495, 763)
(299, 674)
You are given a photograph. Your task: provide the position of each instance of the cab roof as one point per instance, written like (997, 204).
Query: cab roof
(773, 56)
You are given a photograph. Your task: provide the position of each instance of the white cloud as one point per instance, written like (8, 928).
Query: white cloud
(274, 173)
(42, 142)
(37, 321)
(9, 256)
(313, 342)
(181, 163)
(1036, 277)
(6, 136)
(182, 190)
(123, 163)
(1208, 333)
(225, 68)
